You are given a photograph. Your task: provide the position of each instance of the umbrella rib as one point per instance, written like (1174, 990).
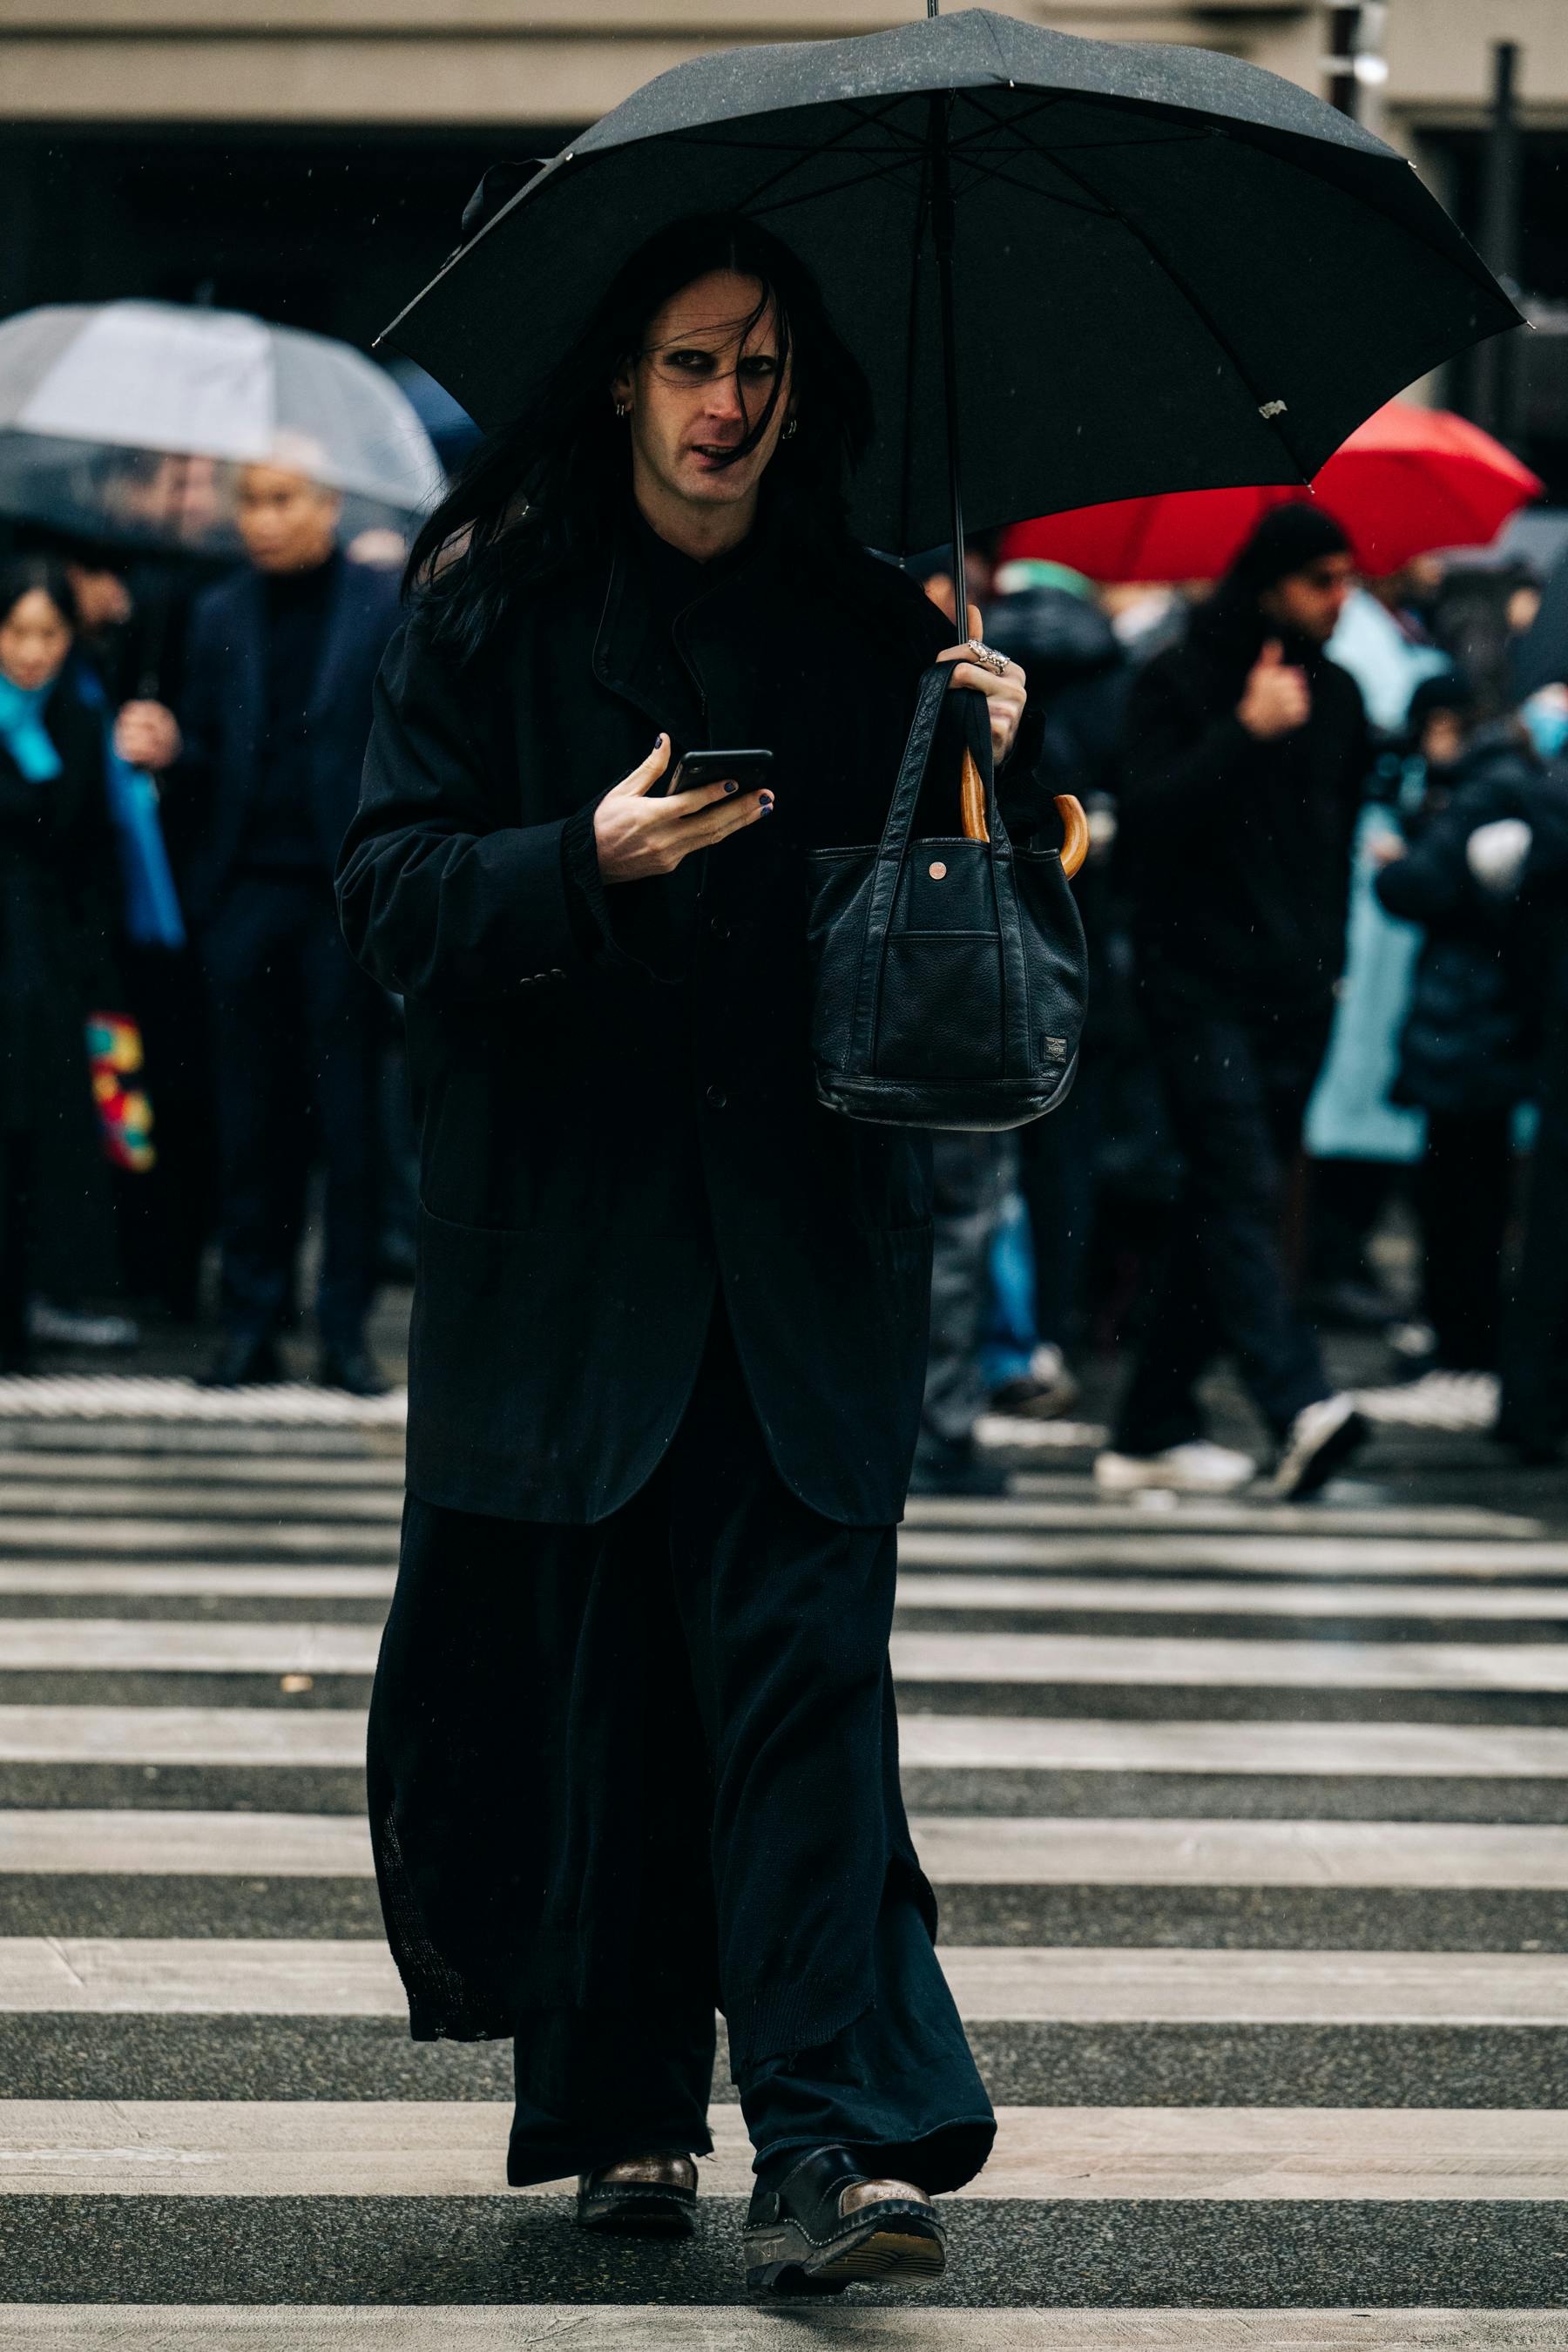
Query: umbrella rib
(816, 196)
(1045, 195)
(1195, 303)
(912, 348)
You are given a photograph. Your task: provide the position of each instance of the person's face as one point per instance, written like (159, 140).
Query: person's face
(288, 523)
(696, 389)
(1309, 603)
(34, 638)
(1442, 739)
(102, 599)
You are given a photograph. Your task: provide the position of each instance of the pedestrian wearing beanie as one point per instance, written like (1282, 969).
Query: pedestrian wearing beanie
(1244, 761)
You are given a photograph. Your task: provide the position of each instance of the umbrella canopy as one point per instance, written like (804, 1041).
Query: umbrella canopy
(1168, 268)
(1408, 480)
(114, 419)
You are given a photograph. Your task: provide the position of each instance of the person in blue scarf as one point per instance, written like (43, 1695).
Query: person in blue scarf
(60, 888)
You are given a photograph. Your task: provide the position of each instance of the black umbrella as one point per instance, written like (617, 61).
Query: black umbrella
(1072, 271)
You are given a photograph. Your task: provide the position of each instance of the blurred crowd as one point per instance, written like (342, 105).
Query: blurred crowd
(1325, 1082)
(1325, 1086)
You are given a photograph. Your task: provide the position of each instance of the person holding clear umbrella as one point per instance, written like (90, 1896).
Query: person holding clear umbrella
(268, 747)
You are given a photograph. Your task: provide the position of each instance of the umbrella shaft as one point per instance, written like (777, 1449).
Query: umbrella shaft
(944, 222)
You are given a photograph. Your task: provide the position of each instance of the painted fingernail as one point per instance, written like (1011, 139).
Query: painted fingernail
(731, 785)
(767, 803)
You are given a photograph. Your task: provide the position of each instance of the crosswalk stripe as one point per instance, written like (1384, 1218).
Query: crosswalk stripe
(81, 1645)
(1153, 1596)
(954, 1850)
(335, 1736)
(199, 1580)
(253, 1539)
(1287, 1555)
(1031, 1595)
(704, 2327)
(199, 1472)
(1041, 1503)
(1179, 1660)
(184, 1735)
(1469, 1751)
(363, 2147)
(87, 1501)
(222, 1976)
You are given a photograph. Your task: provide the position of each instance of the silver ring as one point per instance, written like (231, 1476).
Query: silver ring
(987, 656)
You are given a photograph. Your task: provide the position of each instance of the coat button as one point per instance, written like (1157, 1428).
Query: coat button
(719, 929)
(556, 973)
(715, 1098)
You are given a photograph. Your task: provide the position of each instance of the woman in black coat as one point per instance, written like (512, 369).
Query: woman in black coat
(633, 1743)
(58, 901)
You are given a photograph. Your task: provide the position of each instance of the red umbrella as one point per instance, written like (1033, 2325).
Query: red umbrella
(1407, 480)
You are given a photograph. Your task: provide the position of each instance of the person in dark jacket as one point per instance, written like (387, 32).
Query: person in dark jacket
(279, 666)
(633, 1743)
(1470, 1047)
(1244, 762)
(1533, 1413)
(58, 915)
(1049, 619)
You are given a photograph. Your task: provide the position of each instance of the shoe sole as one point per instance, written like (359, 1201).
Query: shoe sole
(639, 2213)
(894, 2252)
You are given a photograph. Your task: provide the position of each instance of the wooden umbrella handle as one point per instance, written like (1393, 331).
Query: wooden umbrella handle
(1075, 833)
(1075, 824)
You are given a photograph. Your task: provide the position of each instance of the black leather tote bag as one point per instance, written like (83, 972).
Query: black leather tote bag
(948, 975)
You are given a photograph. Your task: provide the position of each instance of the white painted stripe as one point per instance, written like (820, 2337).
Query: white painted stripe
(184, 1735)
(329, 1736)
(158, 1645)
(78, 1465)
(118, 1397)
(1178, 1660)
(257, 1540)
(101, 1975)
(154, 1645)
(1283, 1555)
(954, 1850)
(1044, 1503)
(1004, 1743)
(986, 1851)
(67, 1498)
(199, 1580)
(1156, 1596)
(730, 2327)
(408, 2148)
(205, 1844)
(1121, 1985)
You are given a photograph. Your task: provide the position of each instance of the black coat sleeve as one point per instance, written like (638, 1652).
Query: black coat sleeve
(440, 896)
(1179, 764)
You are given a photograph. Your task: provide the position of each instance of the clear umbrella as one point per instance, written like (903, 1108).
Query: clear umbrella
(123, 420)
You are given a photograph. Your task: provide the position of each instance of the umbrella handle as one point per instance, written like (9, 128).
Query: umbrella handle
(1075, 833)
(1075, 824)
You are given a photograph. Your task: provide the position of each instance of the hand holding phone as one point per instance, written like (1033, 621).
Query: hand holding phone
(641, 832)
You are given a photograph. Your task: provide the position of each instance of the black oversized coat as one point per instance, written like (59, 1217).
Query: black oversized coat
(610, 1141)
(60, 902)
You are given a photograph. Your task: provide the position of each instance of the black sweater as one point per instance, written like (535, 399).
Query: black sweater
(1237, 852)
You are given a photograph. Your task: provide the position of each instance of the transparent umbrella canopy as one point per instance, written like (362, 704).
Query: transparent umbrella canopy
(124, 421)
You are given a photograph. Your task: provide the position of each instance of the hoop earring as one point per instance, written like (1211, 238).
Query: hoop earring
(789, 432)
(623, 409)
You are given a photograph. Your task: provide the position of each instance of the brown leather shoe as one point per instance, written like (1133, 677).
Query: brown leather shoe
(643, 2196)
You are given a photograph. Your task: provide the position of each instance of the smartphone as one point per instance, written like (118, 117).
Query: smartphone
(751, 769)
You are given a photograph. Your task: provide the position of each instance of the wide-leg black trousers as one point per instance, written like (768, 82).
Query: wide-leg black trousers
(621, 1773)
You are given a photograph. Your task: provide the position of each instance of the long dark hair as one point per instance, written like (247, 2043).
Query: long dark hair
(543, 495)
(20, 575)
